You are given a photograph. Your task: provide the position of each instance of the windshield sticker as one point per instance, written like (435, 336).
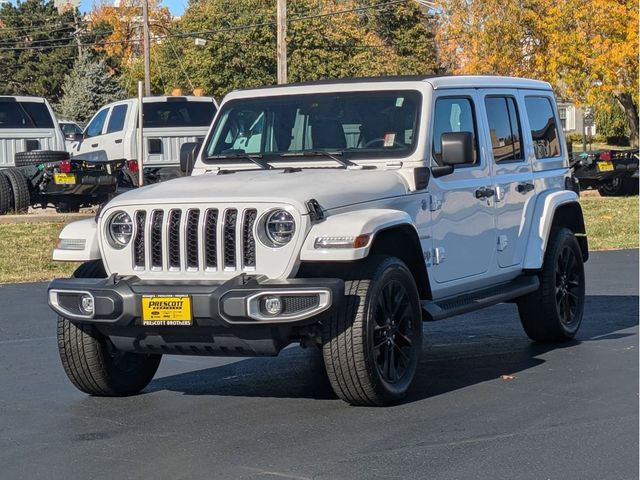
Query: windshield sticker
(399, 101)
(389, 139)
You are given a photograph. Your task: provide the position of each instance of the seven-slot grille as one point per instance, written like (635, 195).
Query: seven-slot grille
(194, 239)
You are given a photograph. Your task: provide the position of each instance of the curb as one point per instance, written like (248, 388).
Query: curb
(58, 218)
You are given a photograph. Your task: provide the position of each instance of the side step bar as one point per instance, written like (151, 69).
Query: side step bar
(468, 302)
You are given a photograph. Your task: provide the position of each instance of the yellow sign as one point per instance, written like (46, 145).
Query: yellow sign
(64, 178)
(605, 167)
(166, 311)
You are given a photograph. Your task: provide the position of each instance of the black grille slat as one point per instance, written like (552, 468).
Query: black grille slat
(174, 238)
(211, 239)
(248, 240)
(229, 234)
(138, 241)
(191, 239)
(156, 238)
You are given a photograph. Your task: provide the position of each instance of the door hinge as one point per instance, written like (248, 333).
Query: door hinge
(434, 202)
(438, 255)
(503, 241)
(499, 193)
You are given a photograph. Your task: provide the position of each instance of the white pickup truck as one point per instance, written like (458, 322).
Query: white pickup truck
(169, 122)
(338, 215)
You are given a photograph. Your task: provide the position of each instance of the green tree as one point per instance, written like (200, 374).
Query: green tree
(611, 121)
(88, 87)
(394, 40)
(37, 48)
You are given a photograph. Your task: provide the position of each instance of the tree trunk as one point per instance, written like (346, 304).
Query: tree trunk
(631, 112)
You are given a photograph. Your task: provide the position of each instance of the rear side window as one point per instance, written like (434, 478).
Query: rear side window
(504, 129)
(97, 124)
(544, 130)
(178, 114)
(24, 115)
(116, 120)
(453, 115)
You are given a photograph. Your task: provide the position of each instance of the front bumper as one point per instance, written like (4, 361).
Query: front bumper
(117, 301)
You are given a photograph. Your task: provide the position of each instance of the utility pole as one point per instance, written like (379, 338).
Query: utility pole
(145, 48)
(282, 41)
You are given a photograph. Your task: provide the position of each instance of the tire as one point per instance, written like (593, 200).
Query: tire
(37, 157)
(553, 313)
(91, 361)
(360, 340)
(6, 195)
(20, 188)
(616, 187)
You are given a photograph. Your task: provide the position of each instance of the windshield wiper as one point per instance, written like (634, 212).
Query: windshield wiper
(257, 159)
(320, 153)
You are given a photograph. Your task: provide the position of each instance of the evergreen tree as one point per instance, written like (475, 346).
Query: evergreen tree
(88, 87)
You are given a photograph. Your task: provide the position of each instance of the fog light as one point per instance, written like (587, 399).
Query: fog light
(86, 304)
(272, 305)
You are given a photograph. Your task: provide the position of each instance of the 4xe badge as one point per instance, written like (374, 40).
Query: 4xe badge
(166, 311)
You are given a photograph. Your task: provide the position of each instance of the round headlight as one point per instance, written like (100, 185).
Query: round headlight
(279, 227)
(120, 229)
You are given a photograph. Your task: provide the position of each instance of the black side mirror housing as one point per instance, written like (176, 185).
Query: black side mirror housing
(457, 148)
(188, 154)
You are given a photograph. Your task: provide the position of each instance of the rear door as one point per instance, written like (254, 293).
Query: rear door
(512, 173)
(112, 139)
(464, 235)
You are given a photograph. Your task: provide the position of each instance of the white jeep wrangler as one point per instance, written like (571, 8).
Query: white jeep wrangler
(337, 214)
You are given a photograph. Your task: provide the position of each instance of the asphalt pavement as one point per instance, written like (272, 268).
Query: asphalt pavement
(569, 412)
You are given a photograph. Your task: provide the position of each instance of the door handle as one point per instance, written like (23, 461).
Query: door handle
(485, 192)
(525, 187)
(118, 141)
(94, 145)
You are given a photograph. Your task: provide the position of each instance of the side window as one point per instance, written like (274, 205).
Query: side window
(95, 126)
(544, 130)
(453, 115)
(117, 118)
(504, 129)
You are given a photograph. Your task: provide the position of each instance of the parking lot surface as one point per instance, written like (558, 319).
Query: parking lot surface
(486, 404)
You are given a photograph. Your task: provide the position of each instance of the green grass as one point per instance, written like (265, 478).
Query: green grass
(25, 253)
(612, 222)
(25, 249)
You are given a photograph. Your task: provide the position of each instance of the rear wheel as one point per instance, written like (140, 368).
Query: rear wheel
(20, 188)
(372, 343)
(6, 195)
(554, 312)
(91, 361)
(616, 187)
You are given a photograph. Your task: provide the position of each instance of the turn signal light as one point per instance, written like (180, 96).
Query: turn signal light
(64, 166)
(605, 156)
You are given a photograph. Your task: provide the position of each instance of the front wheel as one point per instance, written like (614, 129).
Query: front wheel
(92, 363)
(372, 342)
(554, 312)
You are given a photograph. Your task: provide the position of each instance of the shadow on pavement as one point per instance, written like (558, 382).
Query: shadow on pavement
(481, 347)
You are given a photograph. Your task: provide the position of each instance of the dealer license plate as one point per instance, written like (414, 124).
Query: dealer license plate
(64, 178)
(164, 311)
(605, 167)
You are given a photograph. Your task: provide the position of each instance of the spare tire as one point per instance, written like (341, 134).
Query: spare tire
(36, 157)
(6, 195)
(20, 187)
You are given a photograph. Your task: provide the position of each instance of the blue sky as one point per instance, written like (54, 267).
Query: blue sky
(176, 6)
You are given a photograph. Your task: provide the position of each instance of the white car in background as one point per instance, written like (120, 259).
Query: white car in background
(169, 122)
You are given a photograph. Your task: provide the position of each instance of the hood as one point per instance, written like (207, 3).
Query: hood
(332, 188)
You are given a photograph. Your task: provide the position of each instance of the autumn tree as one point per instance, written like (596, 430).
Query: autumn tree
(587, 50)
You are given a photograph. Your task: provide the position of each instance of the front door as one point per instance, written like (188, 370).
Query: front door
(464, 236)
(512, 172)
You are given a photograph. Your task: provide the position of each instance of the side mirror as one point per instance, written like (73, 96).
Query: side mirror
(457, 148)
(188, 154)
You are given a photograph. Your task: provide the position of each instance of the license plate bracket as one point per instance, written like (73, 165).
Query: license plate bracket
(166, 310)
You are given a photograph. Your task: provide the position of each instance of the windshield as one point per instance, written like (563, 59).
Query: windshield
(178, 113)
(24, 115)
(356, 124)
